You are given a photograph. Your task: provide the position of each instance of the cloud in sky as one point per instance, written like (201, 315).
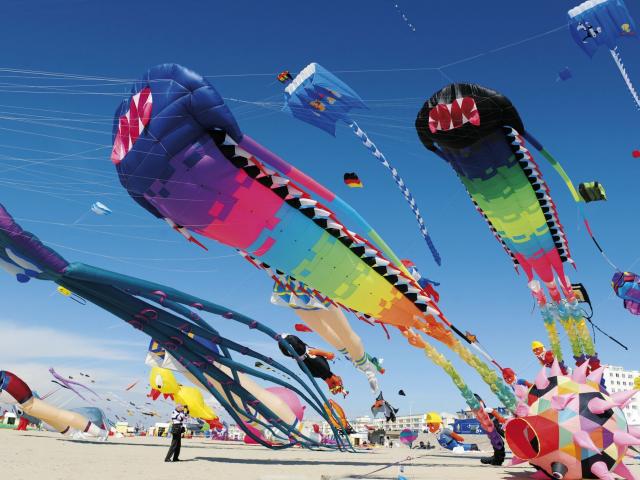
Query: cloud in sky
(37, 342)
(29, 351)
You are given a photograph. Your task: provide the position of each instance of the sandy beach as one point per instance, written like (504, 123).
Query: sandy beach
(34, 455)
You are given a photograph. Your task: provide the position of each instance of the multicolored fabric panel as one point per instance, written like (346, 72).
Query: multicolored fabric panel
(258, 211)
(507, 188)
(296, 295)
(627, 287)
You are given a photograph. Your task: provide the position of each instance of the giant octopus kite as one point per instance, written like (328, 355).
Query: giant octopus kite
(169, 317)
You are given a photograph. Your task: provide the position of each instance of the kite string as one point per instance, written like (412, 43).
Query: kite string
(126, 81)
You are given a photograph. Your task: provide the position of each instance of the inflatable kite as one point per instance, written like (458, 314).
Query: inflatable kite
(328, 321)
(162, 381)
(64, 421)
(316, 96)
(316, 361)
(564, 74)
(480, 134)
(408, 436)
(592, 192)
(570, 428)
(595, 23)
(446, 437)
(187, 162)
(137, 121)
(71, 385)
(288, 398)
(169, 317)
(100, 208)
(131, 385)
(381, 406)
(627, 287)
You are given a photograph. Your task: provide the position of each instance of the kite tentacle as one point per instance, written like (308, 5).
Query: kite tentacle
(225, 359)
(170, 296)
(401, 185)
(69, 384)
(176, 300)
(440, 360)
(191, 352)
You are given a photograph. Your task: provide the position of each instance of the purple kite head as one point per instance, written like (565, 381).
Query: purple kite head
(169, 118)
(22, 254)
(626, 285)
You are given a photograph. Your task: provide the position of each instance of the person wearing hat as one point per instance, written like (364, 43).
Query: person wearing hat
(178, 417)
(546, 357)
(446, 437)
(498, 420)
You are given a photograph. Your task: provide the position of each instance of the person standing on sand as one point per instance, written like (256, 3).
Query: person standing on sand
(178, 416)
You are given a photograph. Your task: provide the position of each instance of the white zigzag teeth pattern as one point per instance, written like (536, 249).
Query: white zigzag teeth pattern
(326, 220)
(542, 192)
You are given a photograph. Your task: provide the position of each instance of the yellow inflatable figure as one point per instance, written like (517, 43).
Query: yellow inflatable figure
(157, 357)
(162, 381)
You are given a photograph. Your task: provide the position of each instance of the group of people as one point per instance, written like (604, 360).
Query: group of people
(446, 437)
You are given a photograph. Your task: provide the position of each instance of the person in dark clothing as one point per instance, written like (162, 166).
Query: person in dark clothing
(498, 420)
(178, 416)
(316, 361)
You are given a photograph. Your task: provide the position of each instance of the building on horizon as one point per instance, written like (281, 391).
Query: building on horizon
(618, 379)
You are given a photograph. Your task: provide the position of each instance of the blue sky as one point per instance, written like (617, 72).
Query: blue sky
(55, 145)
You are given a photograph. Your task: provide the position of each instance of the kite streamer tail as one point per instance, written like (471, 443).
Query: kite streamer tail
(568, 323)
(490, 376)
(401, 185)
(440, 360)
(581, 327)
(552, 331)
(625, 76)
